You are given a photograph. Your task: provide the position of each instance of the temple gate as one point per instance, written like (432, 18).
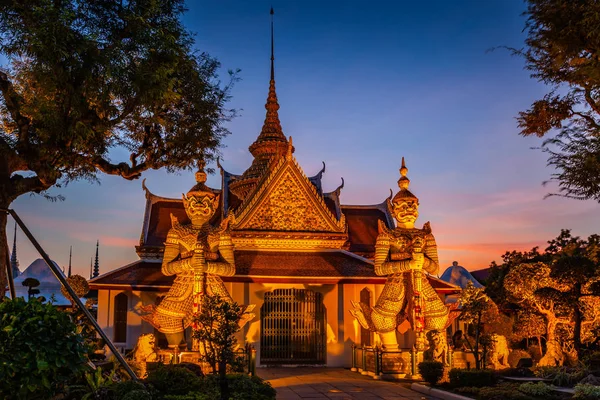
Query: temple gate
(292, 328)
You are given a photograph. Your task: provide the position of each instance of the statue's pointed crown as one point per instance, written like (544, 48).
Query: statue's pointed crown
(200, 189)
(403, 184)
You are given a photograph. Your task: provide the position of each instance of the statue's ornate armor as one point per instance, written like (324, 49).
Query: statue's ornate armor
(405, 255)
(393, 251)
(198, 254)
(173, 314)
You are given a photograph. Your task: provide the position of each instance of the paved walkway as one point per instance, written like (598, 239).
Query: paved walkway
(332, 383)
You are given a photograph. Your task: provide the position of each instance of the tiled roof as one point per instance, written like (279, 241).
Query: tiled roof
(481, 274)
(362, 227)
(320, 264)
(328, 266)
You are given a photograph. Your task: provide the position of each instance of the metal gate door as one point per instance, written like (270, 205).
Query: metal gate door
(292, 326)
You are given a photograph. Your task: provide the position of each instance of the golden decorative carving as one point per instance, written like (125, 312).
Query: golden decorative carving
(144, 352)
(285, 200)
(271, 240)
(198, 254)
(438, 347)
(404, 254)
(498, 358)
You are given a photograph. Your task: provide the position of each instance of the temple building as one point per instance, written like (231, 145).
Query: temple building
(301, 258)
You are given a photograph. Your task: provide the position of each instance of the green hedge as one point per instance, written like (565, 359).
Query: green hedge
(472, 377)
(431, 371)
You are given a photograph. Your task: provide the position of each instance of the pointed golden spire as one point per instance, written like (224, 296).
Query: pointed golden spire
(271, 130)
(271, 142)
(403, 184)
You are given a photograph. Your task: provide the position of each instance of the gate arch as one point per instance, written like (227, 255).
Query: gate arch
(292, 328)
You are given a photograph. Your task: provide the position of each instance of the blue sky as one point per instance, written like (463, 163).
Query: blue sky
(360, 85)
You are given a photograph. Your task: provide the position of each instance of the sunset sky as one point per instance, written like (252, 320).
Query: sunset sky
(360, 84)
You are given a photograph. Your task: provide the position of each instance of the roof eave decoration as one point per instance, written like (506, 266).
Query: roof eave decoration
(286, 200)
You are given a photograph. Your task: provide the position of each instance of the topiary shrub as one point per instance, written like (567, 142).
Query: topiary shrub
(136, 395)
(431, 371)
(504, 391)
(40, 350)
(472, 377)
(539, 389)
(516, 355)
(173, 380)
(241, 387)
(125, 387)
(584, 391)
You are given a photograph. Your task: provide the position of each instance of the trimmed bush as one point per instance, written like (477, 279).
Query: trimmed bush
(539, 389)
(137, 395)
(174, 380)
(505, 391)
(472, 377)
(431, 371)
(584, 391)
(121, 389)
(241, 387)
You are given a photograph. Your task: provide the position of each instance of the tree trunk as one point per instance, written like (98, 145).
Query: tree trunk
(577, 319)
(4, 255)
(477, 358)
(223, 384)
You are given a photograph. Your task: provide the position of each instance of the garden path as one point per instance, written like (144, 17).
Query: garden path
(333, 383)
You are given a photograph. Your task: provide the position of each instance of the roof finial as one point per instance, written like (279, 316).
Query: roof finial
(14, 263)
(96, 263)
(290, 149)
(272, 47)
(70, 255)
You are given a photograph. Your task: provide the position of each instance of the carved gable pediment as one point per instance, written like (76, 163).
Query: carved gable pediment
(285, 200)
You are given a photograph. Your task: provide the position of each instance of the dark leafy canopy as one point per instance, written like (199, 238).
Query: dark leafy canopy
(563, 51)
(89, 76)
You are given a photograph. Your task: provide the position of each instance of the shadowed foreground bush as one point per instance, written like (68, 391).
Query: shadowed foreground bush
(431, 371)
(472, 377)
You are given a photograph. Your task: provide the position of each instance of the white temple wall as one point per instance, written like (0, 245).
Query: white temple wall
(135, 325)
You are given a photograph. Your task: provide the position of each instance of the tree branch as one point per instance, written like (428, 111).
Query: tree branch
(22, 185)
(123, 169)
(589, 119)
(588, 97)
(13, 103)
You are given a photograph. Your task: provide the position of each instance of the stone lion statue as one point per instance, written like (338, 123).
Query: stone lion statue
(438, 347)
(144, 352)
(554, 355)
(498, 352)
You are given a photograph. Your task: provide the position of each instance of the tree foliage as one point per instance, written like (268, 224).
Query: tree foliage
(563, 51)
(90, 81)
(216, 326)
(476, 308)
(79, 284)
(560, 285)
